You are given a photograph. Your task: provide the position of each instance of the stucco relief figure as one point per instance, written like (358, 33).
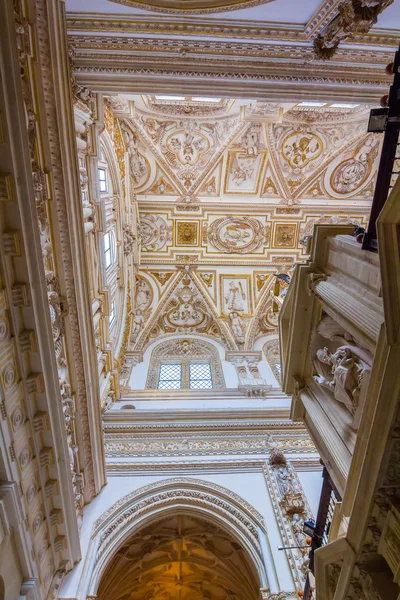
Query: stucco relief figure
(137, 162)
(251, 140)
(345, 373)
(237, 327)
(138, 322)
(143, 295)
(235, 297)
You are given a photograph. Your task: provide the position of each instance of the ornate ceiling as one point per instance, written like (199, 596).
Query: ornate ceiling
(180, 557)
(270, 50)
(228, 192)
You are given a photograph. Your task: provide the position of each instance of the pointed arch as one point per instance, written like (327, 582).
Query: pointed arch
(182, 495)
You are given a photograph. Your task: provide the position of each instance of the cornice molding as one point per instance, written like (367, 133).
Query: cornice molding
(237, 465)
(244, 29)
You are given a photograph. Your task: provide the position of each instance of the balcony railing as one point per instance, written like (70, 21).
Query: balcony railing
(328, 500)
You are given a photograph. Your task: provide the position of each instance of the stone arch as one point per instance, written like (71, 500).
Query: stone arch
(185, 350)
(175, 496)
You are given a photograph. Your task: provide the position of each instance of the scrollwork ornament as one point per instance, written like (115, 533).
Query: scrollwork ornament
(239, 235)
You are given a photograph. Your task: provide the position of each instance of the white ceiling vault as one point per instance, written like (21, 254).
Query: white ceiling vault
(228, 192)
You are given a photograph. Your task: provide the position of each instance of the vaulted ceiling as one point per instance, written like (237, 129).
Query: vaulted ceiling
(228, 192)
(180, 558)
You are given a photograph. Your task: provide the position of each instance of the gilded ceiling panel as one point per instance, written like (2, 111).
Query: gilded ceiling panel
(227, 200)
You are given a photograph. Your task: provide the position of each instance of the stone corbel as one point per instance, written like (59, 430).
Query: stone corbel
(251, 384)
(131, 359)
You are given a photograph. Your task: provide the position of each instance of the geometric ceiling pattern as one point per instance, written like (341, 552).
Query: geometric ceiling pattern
(228, 192)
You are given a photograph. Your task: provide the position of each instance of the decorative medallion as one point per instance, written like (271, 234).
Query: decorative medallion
(31, 493)
(17, 418)
(237, 235)
(192, 6)
(25, 457)
(9, 375)
(155, 233)
(4, 329)
(354, 171)
(187, 233)
(299, 149)
(285, 235)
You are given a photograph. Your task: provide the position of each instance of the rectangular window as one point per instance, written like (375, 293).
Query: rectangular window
(170, 377)
(200, 376)
(107, 250)
(102, 180)
(111, 316)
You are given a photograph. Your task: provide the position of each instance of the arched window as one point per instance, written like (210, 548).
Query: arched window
(109, 249)
(272, 354)
(185, 364)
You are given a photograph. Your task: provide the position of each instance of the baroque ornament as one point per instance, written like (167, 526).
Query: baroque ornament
(239, 235)
(354, 17)
(186, 311)
(155, 233)
(354, 171)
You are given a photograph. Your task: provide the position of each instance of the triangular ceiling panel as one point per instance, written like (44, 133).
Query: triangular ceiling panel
(187, 149)
(186, 308)
(271, 187)
(211, 187)
(162, 185)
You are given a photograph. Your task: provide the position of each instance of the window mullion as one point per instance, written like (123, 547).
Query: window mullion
(185, 375)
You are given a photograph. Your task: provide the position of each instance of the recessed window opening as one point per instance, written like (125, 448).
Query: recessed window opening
(102, 180)
(109, 249)
(200, 377)
(112, 315)
(170, 377)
